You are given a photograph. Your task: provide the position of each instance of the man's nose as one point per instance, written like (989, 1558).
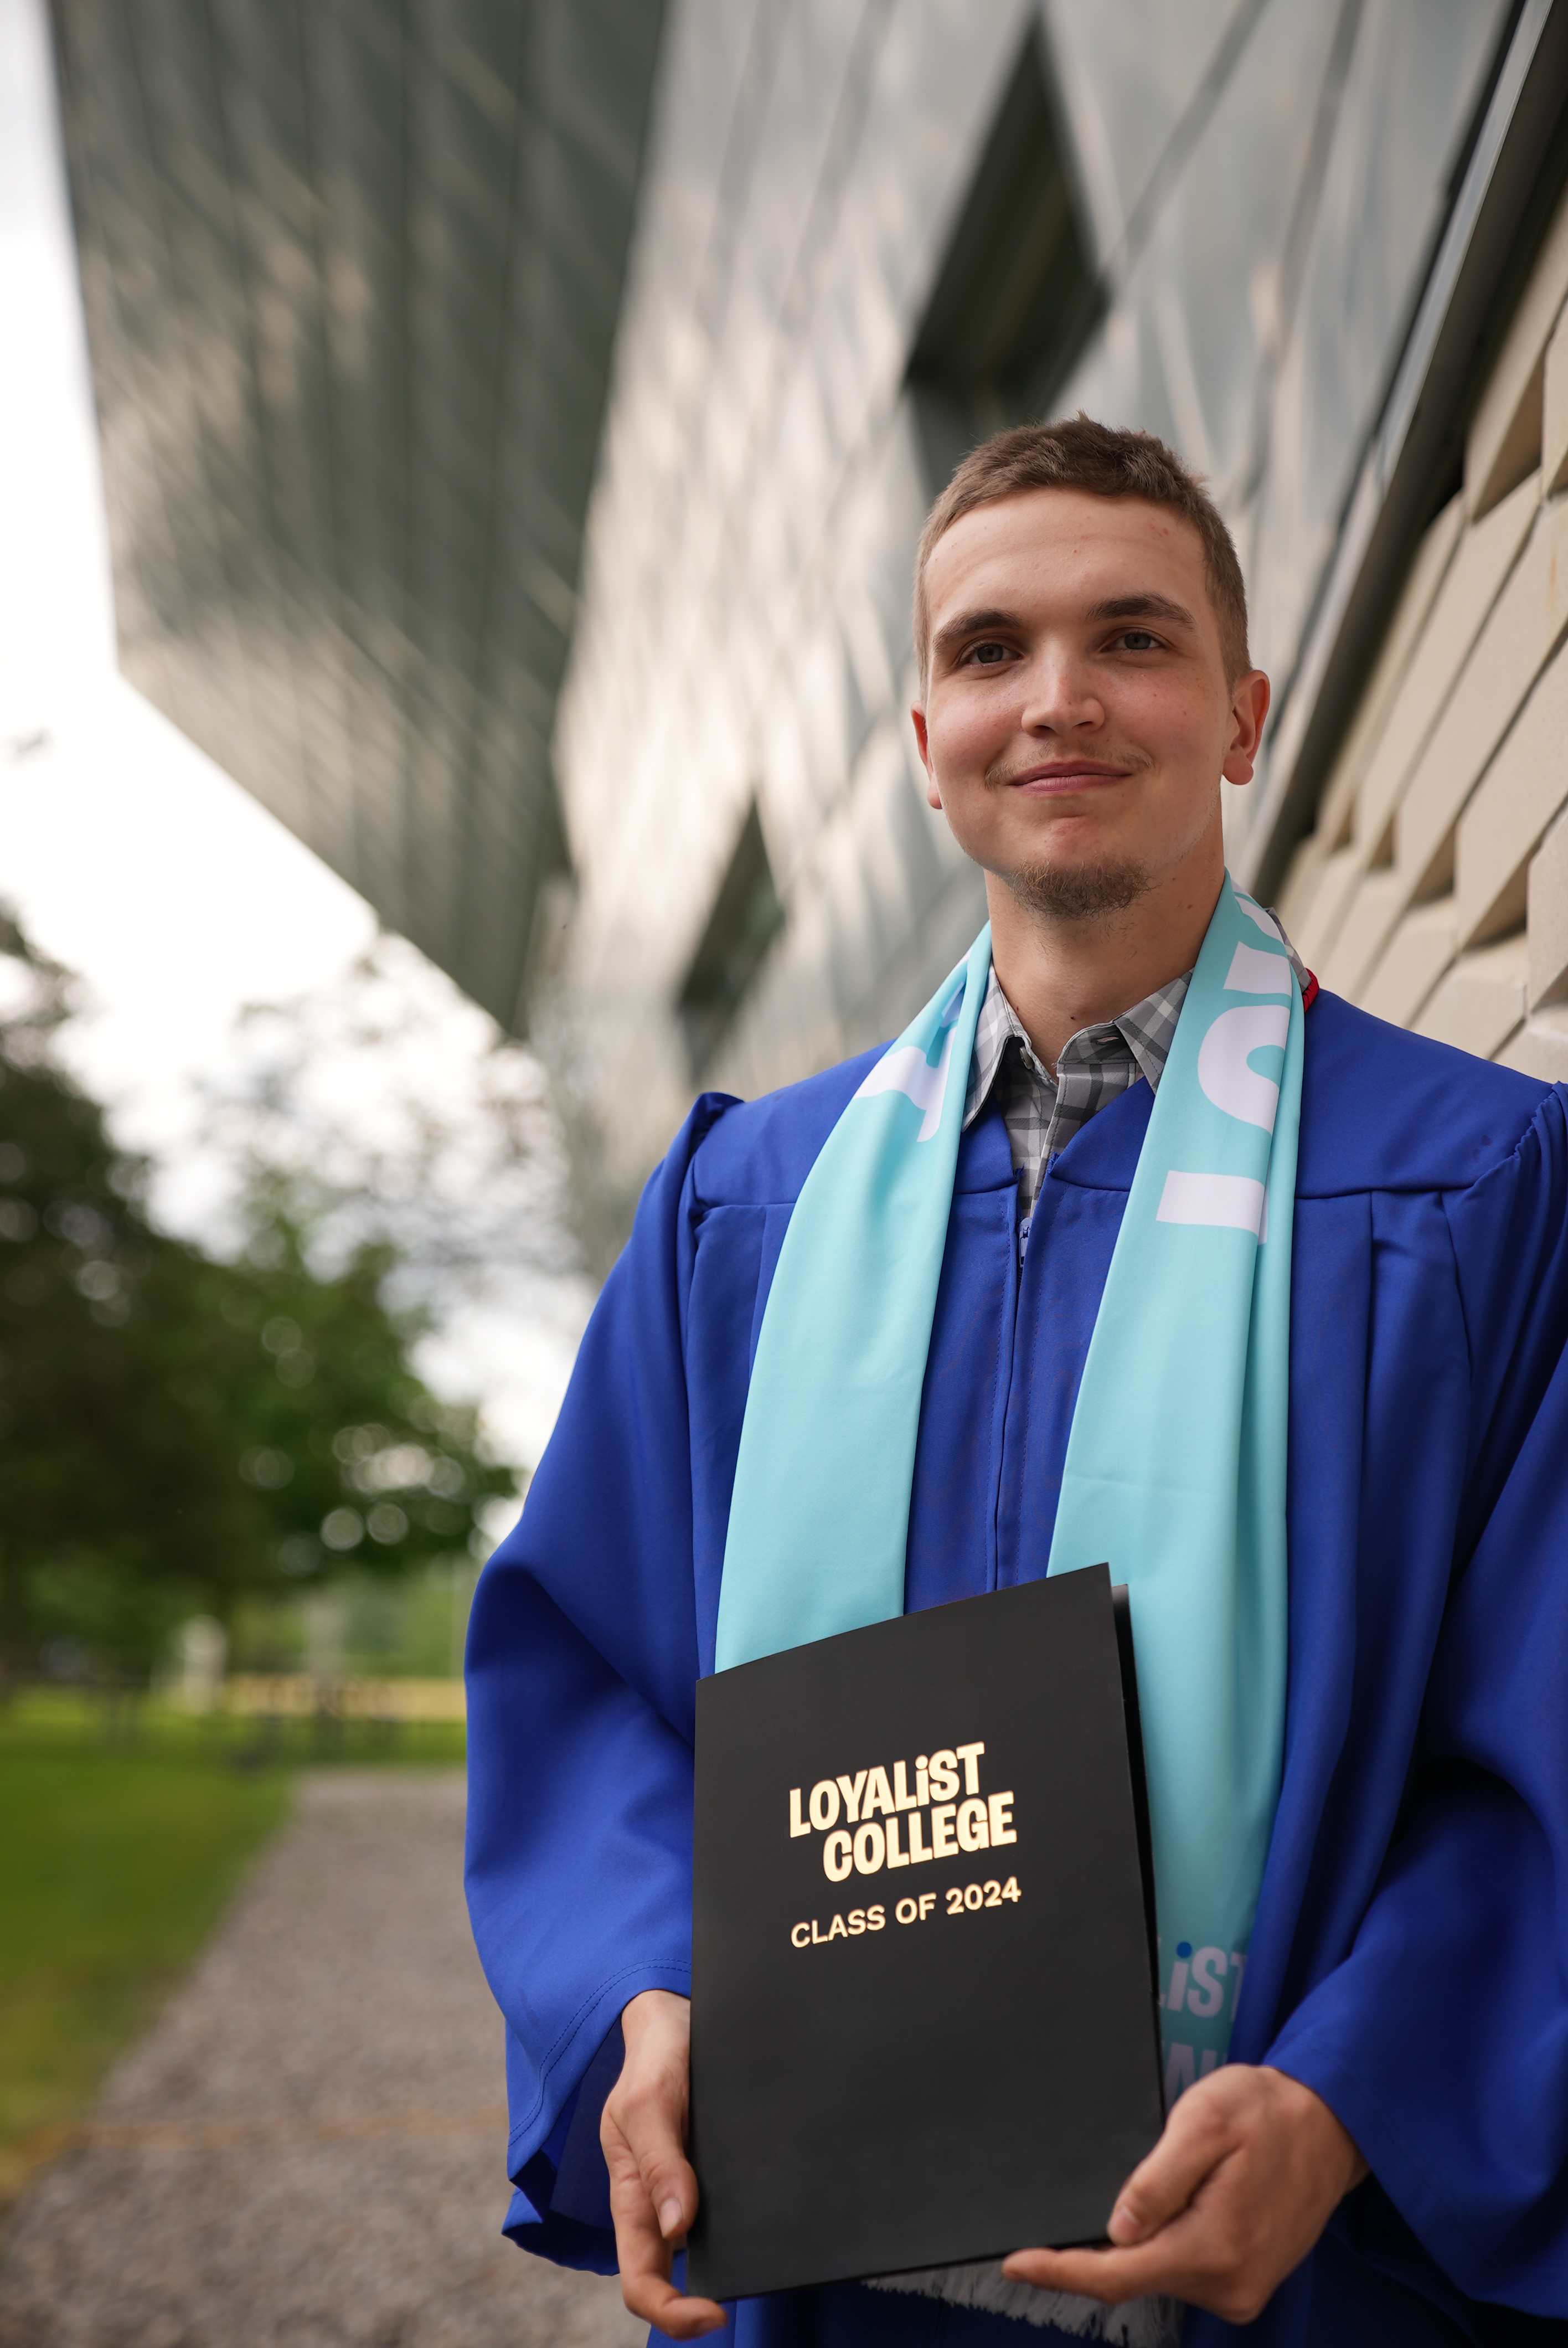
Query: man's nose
(1059, 694)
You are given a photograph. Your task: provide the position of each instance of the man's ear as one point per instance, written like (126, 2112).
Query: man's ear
(1249, 710)
(922, 742)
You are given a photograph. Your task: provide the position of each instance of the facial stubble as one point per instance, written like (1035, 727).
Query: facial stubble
(1078, 892)
(1072, 891)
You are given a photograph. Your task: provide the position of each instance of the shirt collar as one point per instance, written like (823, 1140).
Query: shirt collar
(1147, 1031)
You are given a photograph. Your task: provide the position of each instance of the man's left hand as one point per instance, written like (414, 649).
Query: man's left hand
(1238, 2188)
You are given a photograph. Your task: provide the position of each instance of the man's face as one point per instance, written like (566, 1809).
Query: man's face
(1078, 716)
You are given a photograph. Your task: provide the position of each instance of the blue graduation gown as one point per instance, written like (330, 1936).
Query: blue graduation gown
(1410, 1960)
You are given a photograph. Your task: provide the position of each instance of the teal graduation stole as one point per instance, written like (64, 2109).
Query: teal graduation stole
(1176, 1462)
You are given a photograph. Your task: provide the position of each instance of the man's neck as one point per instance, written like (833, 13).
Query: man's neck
(1061, 975)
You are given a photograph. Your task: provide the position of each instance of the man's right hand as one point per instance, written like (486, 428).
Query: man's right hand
(652, 2187)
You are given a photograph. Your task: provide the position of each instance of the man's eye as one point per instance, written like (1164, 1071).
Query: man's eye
(987, 655)
(1138, 640)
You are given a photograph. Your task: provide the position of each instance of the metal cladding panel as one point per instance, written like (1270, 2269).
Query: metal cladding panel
(1215, 222)
(352, 274)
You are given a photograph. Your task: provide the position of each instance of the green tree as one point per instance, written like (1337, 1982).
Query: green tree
(175, 1430)
(346, 1448)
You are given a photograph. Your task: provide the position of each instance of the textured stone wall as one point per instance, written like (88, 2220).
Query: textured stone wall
(1434, 891)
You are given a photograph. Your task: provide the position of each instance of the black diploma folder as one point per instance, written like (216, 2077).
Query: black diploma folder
(923, 2004)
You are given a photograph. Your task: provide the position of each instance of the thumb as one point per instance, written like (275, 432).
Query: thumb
(648, 2106)
(671, 2186)
(648, 2126)
(1197, 2138)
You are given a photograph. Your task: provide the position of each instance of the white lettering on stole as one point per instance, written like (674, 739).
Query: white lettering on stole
(1224, 1061)
(906, 1070)
(1223, 1201)
(1253, 972)
(1207, 1993)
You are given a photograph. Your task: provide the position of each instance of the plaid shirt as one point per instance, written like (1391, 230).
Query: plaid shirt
(1042, 1113)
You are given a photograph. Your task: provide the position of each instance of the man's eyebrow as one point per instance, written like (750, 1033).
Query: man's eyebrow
(1144, 607)
(971, 624)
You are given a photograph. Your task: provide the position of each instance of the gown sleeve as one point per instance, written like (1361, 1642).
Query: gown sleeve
(1441, 2040)
(581, 1666)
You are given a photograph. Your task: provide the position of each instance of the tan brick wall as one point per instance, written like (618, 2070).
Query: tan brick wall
(1435, 888)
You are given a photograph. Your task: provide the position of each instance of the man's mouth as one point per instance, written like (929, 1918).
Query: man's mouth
(1066, 775)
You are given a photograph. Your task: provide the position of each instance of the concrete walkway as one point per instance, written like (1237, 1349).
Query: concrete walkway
(309, 2148)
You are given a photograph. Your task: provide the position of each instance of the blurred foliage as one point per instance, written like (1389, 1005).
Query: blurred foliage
(176, 1431)
(395, 1111)
(411, 1628)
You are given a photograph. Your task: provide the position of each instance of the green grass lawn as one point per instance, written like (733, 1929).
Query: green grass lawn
(120, 1846)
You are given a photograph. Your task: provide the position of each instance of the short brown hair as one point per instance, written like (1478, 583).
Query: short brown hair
(1079, 453)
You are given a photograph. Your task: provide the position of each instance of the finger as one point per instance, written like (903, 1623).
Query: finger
(1149, 2207)
(1171, 2257)
(670, 2311)
(647, 2289)
(1108, 2275)
(1197, 2137)
(670, 2183)
(648, 2128)
(643, 2252)
(649, 2117)
(1200, 2257)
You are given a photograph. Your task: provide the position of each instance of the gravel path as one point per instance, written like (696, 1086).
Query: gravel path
(309, 2147)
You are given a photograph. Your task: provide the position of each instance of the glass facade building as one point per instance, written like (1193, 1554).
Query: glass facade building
(1295, 242)
(352, 275)
(1222, 230)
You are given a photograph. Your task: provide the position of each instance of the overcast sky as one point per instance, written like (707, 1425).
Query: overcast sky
(129, 855)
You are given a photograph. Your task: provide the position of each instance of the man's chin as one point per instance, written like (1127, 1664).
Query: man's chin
(1079, 893)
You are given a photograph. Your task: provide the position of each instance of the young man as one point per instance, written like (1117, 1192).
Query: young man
(1367, 1665)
